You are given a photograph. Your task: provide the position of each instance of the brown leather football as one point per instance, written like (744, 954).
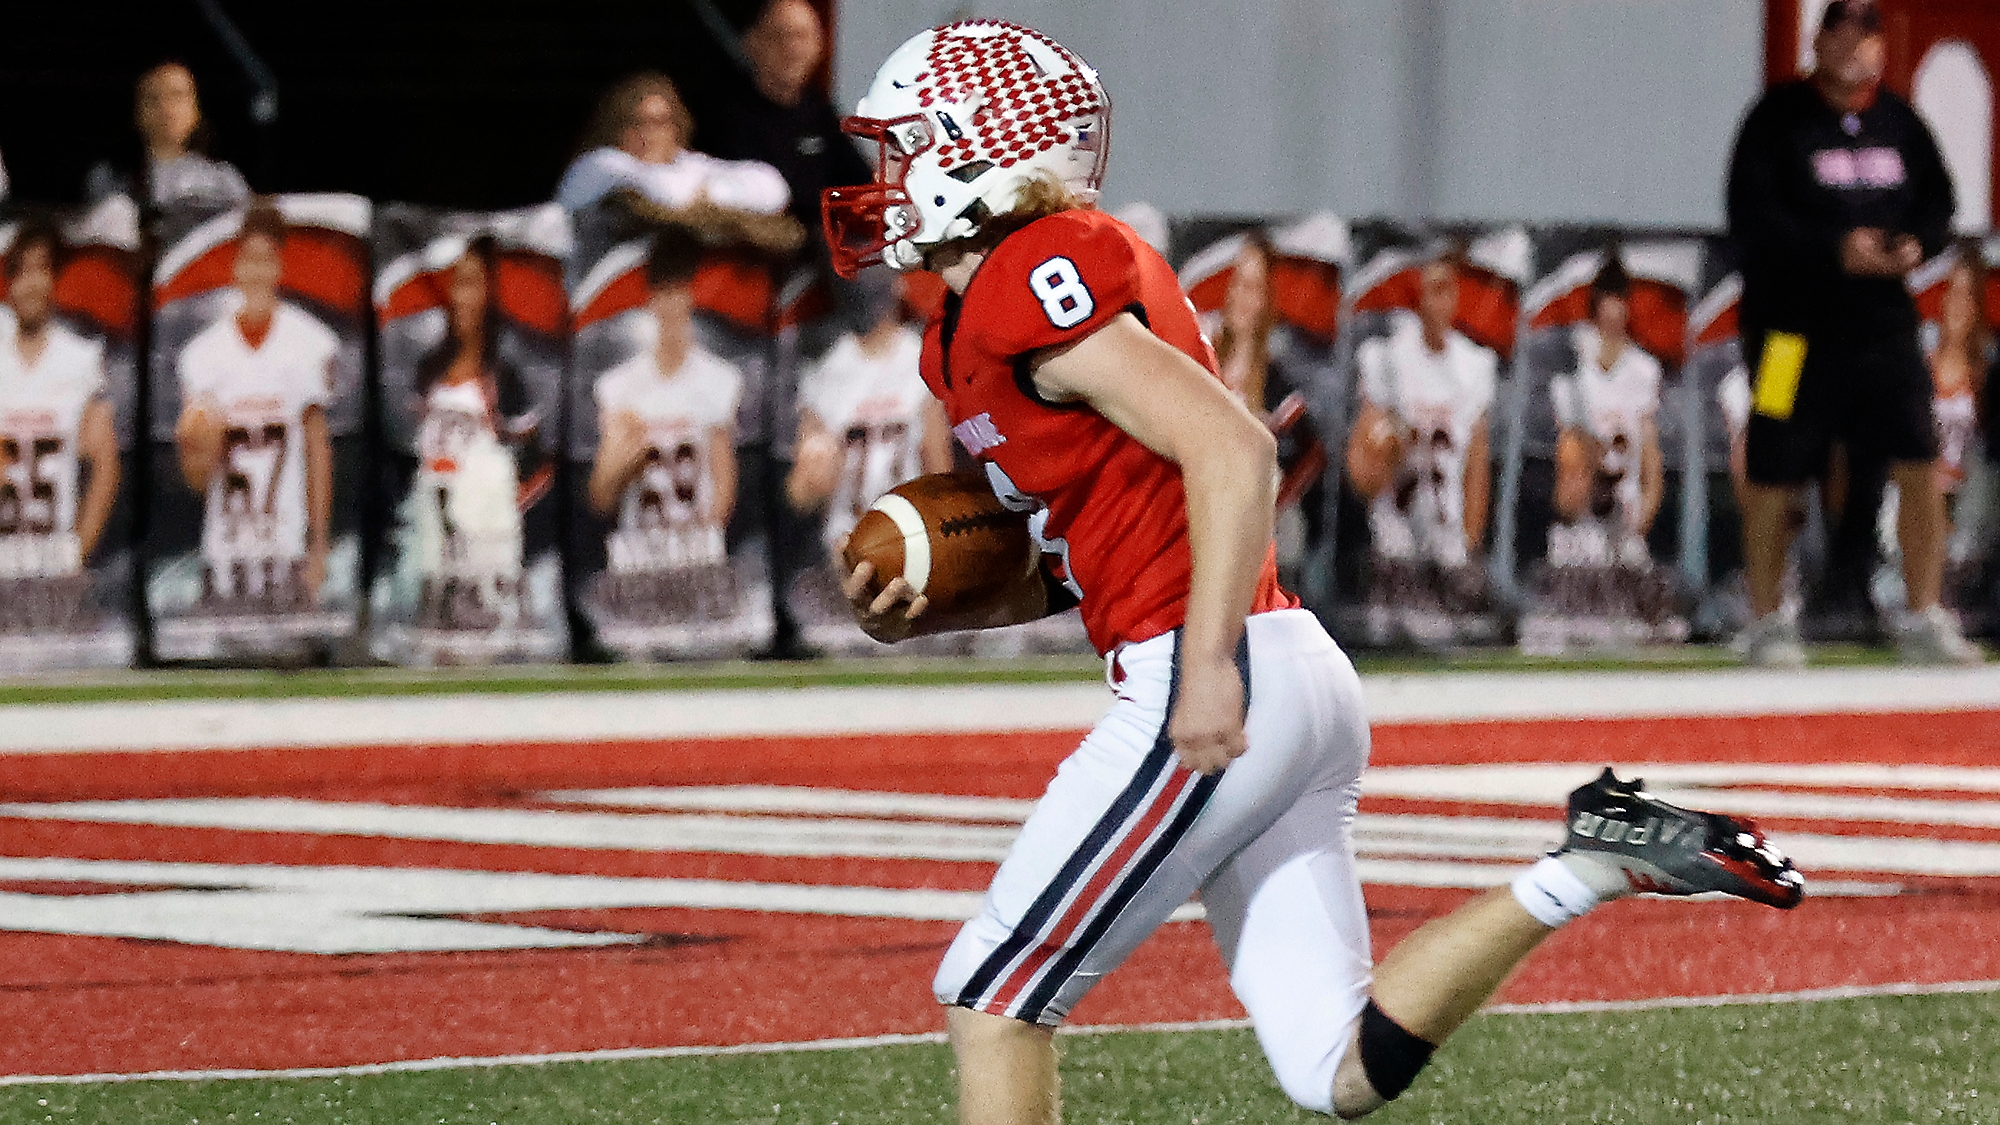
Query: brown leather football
(948, 535)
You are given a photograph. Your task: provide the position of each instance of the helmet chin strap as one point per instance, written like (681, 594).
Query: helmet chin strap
(903, 256)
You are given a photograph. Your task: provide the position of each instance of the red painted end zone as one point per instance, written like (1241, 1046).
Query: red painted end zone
(88, 1004)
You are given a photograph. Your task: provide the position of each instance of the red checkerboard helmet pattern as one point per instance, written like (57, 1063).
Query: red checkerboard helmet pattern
(961, 117)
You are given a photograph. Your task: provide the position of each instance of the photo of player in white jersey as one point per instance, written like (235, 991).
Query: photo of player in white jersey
(1608, 463)
(664, 475)
(59, 467)
(1599, 585)
(866, 424)
(1418, 455)
(252, 437)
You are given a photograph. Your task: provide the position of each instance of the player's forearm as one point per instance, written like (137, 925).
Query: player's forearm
(1478, 492)
(319, 485)
(1231, 482)
(197, 464)
(1652, 484)
(608, 481)
(95, 511)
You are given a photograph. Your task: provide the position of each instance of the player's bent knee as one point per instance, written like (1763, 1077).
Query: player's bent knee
(1382, 1062)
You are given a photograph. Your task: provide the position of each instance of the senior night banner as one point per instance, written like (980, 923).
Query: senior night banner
(69, 318)
(1270, 303)
(663, 388)
(1430, 328)
(1603, 447)
(471, 346)
(259, 329)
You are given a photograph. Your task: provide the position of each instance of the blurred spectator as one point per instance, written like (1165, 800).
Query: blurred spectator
(784, 120)
(252, 435)
(866, 421)
(1836, 191)
(1608, 464)
(637, 141)
(1243, 330)
(170, 166)
(58, 449)
(3, 180)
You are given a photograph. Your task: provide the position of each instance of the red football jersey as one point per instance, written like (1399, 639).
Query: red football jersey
(1111, 511)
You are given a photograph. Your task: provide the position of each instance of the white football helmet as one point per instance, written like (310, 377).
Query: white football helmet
(962, 116)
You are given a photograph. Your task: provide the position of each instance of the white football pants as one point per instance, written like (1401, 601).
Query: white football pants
(1124, 835)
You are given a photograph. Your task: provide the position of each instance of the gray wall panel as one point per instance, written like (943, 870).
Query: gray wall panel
(1546, 110)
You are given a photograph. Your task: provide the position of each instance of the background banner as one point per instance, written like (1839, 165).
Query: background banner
(69, 334)
(470, 350)
(256, 408)
(666, 559)
(1603, 442)
(1958, 295)
(1718, 385)
(861, 423)
(1415, 565)
(1269, 300)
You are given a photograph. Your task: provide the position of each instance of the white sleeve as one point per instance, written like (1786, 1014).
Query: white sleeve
(1563, 397)
(814, 387)
(196, 378)
(322, 347)
(1485, 379)
(94, 380)
(591, 177)
(1733, 395)
(730, 389)
(604, 393)
(1650, 389)
(1373, 359)
(750, 185)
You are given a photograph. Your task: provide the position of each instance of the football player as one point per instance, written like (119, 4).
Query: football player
(58, 449)
(1070, 364)
(252, 436)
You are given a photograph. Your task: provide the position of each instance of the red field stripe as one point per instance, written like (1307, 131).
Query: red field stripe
(1962, 738)
(1015, 765)
(82, 840)
(719, 978)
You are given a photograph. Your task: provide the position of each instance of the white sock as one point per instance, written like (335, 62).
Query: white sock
(1553, 893)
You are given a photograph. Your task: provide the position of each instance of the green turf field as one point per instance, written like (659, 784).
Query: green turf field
(194, 683)
(1883, 1059)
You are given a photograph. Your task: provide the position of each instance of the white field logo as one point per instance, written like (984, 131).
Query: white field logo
(1864, 837)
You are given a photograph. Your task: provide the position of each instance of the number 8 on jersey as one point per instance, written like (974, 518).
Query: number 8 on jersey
(1064, 296)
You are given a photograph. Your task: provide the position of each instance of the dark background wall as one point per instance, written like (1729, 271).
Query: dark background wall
(430, 101)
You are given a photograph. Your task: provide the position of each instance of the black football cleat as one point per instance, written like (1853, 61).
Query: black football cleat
(1667, 850)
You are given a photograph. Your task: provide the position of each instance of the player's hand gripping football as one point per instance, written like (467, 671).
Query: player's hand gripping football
(1207, 725)
(888, 616)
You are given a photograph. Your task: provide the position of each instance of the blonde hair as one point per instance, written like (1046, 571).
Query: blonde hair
(1043, 195)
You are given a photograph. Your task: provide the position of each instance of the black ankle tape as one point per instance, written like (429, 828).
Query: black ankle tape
(1390, 1056)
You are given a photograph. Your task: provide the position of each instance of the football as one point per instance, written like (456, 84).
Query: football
(948, 536)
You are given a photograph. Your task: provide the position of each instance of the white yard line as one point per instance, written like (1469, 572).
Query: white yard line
(1847, 992)
(601, 716)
